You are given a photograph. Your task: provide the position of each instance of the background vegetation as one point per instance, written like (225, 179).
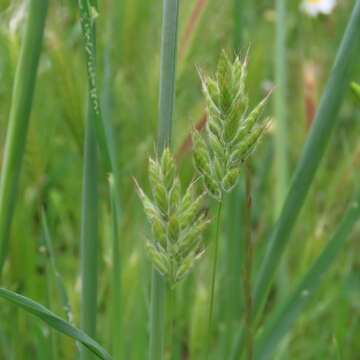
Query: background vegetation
(128, 48)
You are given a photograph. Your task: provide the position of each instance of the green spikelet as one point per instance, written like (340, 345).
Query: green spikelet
(232, 131)
(177, 222)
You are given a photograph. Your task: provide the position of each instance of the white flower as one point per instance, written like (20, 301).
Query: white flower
(316, 7)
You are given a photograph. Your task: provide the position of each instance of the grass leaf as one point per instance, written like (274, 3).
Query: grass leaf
(54, 321)
(286, 313)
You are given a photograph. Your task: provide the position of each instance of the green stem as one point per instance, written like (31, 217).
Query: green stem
(22, 97)
(166, 114)
(89, 217)
(89, 236)
(116, 279)
(213, 280)
(248, 267)
(157, 316)
(167, 72)
(280, 111)
(238, 24)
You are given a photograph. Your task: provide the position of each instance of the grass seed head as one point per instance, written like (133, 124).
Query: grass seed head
(177, 221)
(232, 131)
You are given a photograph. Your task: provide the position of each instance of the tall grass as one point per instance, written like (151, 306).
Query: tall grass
(166, 114)
(22, 97)
(287, 311)
(313, 153)
(89, 214)
(113, 305)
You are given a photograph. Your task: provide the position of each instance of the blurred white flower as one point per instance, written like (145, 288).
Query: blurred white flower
(316, 7)
(17, 18)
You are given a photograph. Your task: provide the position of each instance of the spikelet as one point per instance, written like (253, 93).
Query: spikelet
(232, 131)
(177, 222)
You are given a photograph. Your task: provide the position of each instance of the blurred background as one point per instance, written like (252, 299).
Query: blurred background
(128, 40)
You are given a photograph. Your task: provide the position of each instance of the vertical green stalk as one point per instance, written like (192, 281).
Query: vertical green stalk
(89, 236)
(22, 96)
(213, 279)
(248, 266)
(280, 111)
(116, 280)
(112, 61)
(238, 24)
(89, 217)
(167, 72)
(166, 114)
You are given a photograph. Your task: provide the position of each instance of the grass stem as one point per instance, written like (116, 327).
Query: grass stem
(213, 280)
(166, 114)
(280, 112)
(248, 265)
(22, 97)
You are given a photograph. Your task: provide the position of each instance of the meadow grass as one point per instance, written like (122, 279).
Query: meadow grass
(77, 242)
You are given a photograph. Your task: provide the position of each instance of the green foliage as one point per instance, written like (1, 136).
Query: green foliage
(54, 321)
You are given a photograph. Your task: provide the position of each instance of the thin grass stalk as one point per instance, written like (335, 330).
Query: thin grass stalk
(89, 217)
(167, 73)
(247, 276)
(166, 114)
(235, 255)
(287, 312)
(89, 236)
(239, 7)
(213, 280)
(58, 279)
(313, 152)
(280, 108)
(117, 343)
(88, 13)
(22, 97)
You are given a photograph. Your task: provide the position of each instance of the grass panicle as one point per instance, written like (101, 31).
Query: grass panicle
(232, 131)
(177, 221)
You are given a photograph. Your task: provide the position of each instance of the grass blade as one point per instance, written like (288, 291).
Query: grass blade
(94, 134)
(54, 321)
(88, 14)
(22, 97)
(166, 114)
(59, 281)
(280, 108)
(167, 72)
(313, 152)
(286, 313)
(116, 285)
(89, 235)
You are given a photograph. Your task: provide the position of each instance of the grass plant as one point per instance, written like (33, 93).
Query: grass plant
(22, 96)
(202, 283)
